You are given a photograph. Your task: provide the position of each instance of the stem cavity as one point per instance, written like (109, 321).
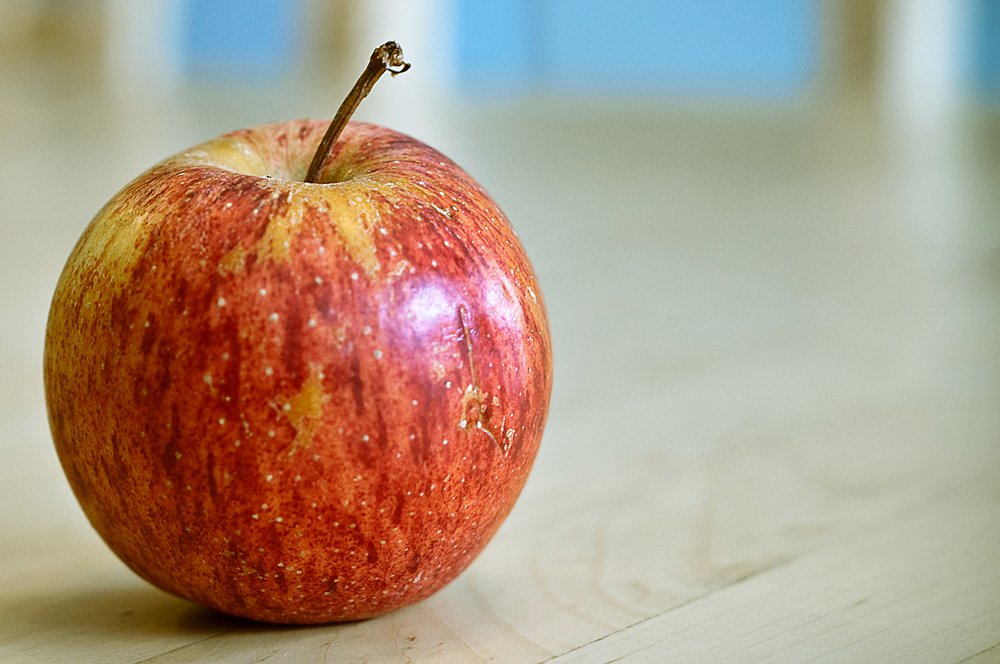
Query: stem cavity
(386, 58)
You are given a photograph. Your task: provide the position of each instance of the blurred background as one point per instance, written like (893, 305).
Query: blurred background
(201, 66)
(743, 213)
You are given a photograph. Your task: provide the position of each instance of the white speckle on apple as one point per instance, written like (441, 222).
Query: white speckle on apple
(268, 371)
(263, 291)
(319, 280)
(222, 302)
(312, 322)
(354, 276)
(274, 316)
(377, 354)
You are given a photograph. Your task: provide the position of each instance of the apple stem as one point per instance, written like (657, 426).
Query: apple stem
(386, 58)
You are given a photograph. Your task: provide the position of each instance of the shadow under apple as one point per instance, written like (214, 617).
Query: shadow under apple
(131, 620)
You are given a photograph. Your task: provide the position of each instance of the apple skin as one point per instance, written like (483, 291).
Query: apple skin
(298, 402)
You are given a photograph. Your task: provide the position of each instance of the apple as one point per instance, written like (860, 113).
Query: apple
(292, 401)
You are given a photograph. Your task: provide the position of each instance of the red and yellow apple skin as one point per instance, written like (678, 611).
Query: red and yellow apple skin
(298, 402)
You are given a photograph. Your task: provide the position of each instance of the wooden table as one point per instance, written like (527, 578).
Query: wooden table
(775, 429)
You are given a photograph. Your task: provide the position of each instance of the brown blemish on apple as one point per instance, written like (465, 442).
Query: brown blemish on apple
(437, 370)
(473, 395)
(305, 410)
(400, 268)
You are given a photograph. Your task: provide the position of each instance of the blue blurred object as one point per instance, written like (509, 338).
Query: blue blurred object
(986, 49)
(240, 39)
(496, 44)
(755, 48)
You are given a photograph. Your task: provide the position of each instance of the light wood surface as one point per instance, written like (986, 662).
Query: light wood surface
(775, 429)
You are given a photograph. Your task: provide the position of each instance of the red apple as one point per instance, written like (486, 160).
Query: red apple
(298, 402)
